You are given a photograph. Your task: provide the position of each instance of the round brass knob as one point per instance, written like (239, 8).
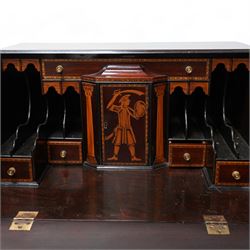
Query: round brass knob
(236, 175)
(189, 69)
(63, 154)
(11, 171)
(59, 69)
(187, 157)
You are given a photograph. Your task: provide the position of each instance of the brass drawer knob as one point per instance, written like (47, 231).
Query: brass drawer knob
(11, 171)
(59, 69)
(63, 154)
(189, 69)
(236, 175)
(187, 157)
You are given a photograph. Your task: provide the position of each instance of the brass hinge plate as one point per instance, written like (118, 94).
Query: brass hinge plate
(23, 221)
(21, 225)
(216, 225)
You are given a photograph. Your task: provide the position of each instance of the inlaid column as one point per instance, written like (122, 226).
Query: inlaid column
(159, 158)
(88, 89)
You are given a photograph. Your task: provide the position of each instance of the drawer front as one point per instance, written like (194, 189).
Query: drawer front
(181, 69)
(187, 155)
(71, 69)
(16, 170)
(232, 173)
(176, 69)
(65, 152)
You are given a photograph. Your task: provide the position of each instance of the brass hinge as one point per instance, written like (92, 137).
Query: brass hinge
(216, 225)
(23, 221)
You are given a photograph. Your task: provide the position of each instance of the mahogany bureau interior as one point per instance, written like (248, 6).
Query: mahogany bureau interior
(126, 133)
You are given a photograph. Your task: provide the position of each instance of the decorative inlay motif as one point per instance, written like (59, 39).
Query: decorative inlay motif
(88, 90)
(123, 133)
(120, 116)
(160, 91)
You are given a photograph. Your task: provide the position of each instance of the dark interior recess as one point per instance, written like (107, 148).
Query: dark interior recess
(53, 128)
(228, 113)
(187, 116)
(197, 127)
(73, 124)
(64, 115)
(177, 115)
(12, 114)
(237, 102)
(23, 110)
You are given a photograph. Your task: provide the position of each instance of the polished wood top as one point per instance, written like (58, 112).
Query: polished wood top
(119, 48)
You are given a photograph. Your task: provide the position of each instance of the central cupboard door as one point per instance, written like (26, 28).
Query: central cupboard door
(124, 123)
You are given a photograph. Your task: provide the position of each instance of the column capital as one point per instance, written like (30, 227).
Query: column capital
(88, 90)
(160, 90)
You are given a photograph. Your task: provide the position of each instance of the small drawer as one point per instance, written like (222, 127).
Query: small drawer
(65, 152)
(70, 68)
(189, 69)
(187, 155)
(16, 170)
(232, 173)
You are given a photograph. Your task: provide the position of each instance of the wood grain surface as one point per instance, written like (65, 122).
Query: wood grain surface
(161, 195)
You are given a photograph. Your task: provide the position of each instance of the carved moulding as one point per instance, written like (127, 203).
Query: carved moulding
(230, 63)
(21, 64)
(60, 87)
(189, 87)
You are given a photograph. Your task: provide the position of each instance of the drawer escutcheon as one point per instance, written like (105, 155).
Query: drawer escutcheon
(187, 157)
(236, 175)
(59, 69)
(11, 171)
(189, 69)
(63, 154)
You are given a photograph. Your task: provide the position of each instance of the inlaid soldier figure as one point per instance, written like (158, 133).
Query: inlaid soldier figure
(123, 132)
